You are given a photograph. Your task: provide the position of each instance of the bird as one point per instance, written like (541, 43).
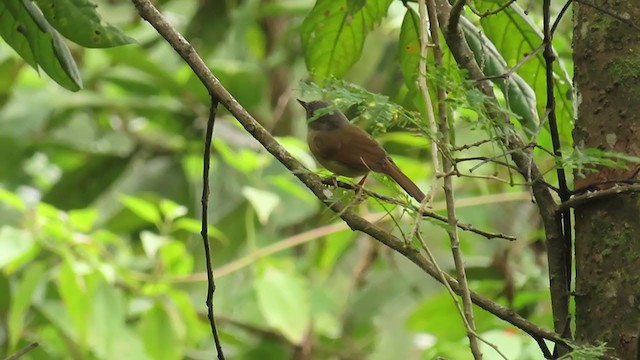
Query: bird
(347, 150)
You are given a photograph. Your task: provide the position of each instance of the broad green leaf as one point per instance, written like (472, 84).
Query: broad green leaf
(47, 47)
(283, 298)
(83, 219)
(519, 95)
(11, 199)
(172, 210)
(263, 202)
(335, 247)
(109, 337)
(439, 309)
(77, 300)
(79, 187)
(298, 149)
(188, 313)
(244, 160)
(143, 208)
(79, 22)
(58, 317)
(175, 259)
(21, 301)
(8, 27)
(333, 34)
(588, 159)
(151, 243)
(409, 48)
(161, 334)
(515, 35)
(327, 310)
(509, 343)
(195, 226)
(15, 246)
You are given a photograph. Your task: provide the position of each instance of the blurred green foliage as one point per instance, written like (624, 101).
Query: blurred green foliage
(100, 248)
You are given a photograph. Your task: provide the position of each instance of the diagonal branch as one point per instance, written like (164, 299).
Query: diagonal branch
(313, 181)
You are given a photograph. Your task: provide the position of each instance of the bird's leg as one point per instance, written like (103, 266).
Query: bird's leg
(330, 180)
(360, 188)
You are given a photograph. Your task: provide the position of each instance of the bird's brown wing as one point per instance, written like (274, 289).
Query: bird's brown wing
(348, 151)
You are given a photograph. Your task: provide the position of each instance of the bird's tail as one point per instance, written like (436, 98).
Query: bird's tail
(403, 180)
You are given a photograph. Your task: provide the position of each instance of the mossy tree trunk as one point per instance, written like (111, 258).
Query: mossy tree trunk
(607, 82)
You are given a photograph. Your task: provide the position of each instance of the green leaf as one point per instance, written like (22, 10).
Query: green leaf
(175, 259)
(79, 22)
(587, 160)
(327, 310)
(244, 160)
(283, 299)
(151, 243)
(77, 300)
(172, 210)
(15, 247)
(195, 227)
(162, 338)
(79, 187)
(30, 30)
(109, 336)
(333, 34)
(519, 95)
(409, 48)
(12, 200)
(263, 202)
(143, 208)
(509, 343)
(21, 301)
(10, 31)
(83, 219)
(515, 35)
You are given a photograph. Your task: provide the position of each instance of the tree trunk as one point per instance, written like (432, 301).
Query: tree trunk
(607, 82)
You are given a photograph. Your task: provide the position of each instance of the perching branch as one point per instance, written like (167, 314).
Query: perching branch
(425, 212)
(313, 181)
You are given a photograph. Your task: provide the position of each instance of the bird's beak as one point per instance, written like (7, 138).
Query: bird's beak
(304, 104)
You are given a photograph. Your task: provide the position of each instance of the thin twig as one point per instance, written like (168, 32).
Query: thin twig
(475, 144)
(584, 199)
(491, 12)
(211, 288)
(23, 351)
(424, 91)
(483, 160)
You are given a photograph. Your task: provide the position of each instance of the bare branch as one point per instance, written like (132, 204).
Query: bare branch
(581, 200)
(23, 351)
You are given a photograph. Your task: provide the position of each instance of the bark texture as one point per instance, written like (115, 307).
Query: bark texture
(607, 81)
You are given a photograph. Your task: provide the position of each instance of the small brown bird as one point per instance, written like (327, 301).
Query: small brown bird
(347, 150)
